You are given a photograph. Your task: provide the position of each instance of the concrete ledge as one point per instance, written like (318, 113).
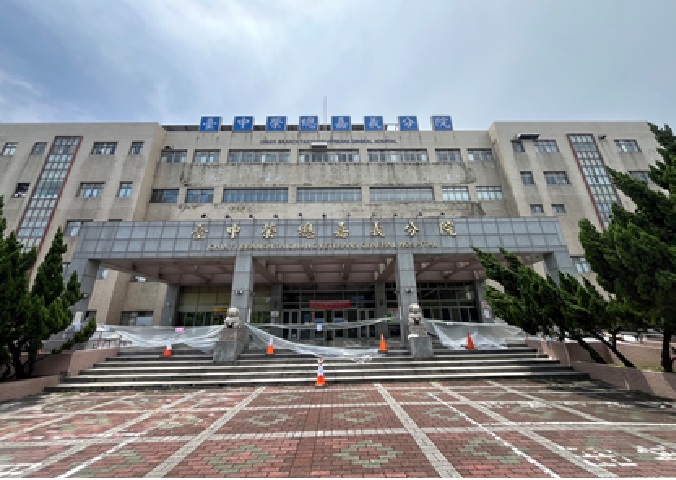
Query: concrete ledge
(23, 388)
(656, 383)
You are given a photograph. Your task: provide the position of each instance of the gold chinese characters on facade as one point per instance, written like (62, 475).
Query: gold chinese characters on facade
(447, 228)
(200, 233)
(233, 231)
(269, 231)
(411, 229)
(305, 230)
(342, 231)
(377, 230)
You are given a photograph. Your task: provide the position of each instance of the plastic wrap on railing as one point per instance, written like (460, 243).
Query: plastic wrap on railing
(201, 338)
(486, 336)
(359, 355)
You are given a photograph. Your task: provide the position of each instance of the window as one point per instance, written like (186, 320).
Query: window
(206, 156)
(39, 148)
(21, 190)
(329, 156)
(258, 156)
(90, 190)
(404, 194)
(256, 195)
(546, 146)
(556, 178)
(627, 146)
(140, 318)
(480, 155)
(138, 279)
(397, 156)
(449, 156)
(9, 148)
(164, 195)
(125, 189)
(328, 195)
(527, 178)
(135, 148)
(455, 194)
(102, 273)
(581, 265)
(199, 195)
(641, 175)
(104, 148)
(174, 156)
(489, 193)
(537, 208)
(73, 227)
(517, 146)
(558, 208)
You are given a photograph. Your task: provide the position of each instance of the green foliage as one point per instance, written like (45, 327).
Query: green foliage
(30, 315)
(79, 337)
(635, 257)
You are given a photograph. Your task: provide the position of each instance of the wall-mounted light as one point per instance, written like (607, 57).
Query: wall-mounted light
(323, 215)
(420, 214)
(275, 216)
(300, 214)
(204, 215)
(442, 214)
(251, 216)
(227, 216)
(239, 292)
(394, 215)
(409, 290)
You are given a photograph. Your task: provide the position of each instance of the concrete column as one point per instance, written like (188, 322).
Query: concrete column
(242, 285)
(406, 288)
(381, 300)
(86, 271)
(169, 305)
(556, 262)
(482, 305)
(276, 301)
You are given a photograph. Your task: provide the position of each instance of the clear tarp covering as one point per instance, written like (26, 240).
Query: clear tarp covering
(352, 353)
(201, 338)
(453, 335)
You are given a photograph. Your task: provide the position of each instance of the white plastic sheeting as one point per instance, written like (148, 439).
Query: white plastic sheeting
(356, 354)
(201, 338)
(453, 335)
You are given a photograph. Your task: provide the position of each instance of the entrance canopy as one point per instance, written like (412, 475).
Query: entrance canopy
(315, 251)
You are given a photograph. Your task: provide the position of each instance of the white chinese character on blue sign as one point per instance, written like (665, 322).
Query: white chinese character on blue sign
(408, 123)
(373, 122)
(309, 122)
(275, 124)
(442, 122)
(243, 124)
(210, 124)
(341, 122)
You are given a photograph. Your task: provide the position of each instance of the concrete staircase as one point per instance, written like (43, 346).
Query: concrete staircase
(135, 369)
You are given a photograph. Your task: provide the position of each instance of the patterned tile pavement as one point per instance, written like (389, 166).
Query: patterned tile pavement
(511, 428)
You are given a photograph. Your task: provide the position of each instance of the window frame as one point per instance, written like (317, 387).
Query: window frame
(454, 155)
(480, 155)
(173, 156)
(73, 227)
(489, 193)
(328, 194)
(626, 145)
(136, 147)
(255, 195)
(126, 188)
(554, 177)
(199, 195)
(546, 146)
(404, 155)
(39, 148)
(559, 208)
(206, 156)
(537, 208)
(9, 149)
(104, 148)
(455, 193)
(160, 195)
(527, 174)
(90, 189)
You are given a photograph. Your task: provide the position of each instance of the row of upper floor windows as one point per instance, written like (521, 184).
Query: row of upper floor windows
(99, 148)
(550, 146)
(309, 156)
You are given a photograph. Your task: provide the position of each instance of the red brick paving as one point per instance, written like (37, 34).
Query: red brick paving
(268, 438)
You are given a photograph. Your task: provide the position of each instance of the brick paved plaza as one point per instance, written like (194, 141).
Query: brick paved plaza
(517, 428)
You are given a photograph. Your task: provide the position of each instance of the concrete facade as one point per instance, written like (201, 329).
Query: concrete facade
(128, 287)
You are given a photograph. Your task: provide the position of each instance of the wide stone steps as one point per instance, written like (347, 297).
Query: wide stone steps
(187, 368)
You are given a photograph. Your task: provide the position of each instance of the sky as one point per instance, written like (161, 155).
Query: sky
(481, 61)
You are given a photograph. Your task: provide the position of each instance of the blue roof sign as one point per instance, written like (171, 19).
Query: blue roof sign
(442, 122)
(243, 124)
(408, 123)
(341, 123)
(308, 122)
(275, 124)
(374, 122)
(210, 124)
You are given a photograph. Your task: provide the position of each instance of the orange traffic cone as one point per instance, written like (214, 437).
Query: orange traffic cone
(167, 349)
(321, 381)
(383, 346)
(470, 342)
(271, 349)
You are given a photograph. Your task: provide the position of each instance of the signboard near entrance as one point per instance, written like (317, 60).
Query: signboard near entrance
(330, 304)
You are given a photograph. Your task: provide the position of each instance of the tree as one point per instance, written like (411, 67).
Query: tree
(536, 304)
(30, 315)
(635, 257)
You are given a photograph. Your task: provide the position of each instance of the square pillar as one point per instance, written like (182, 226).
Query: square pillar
(381, 300)
(556, 262)
(169, 305)
(86, 271)
(406, 289)
(242, 286)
